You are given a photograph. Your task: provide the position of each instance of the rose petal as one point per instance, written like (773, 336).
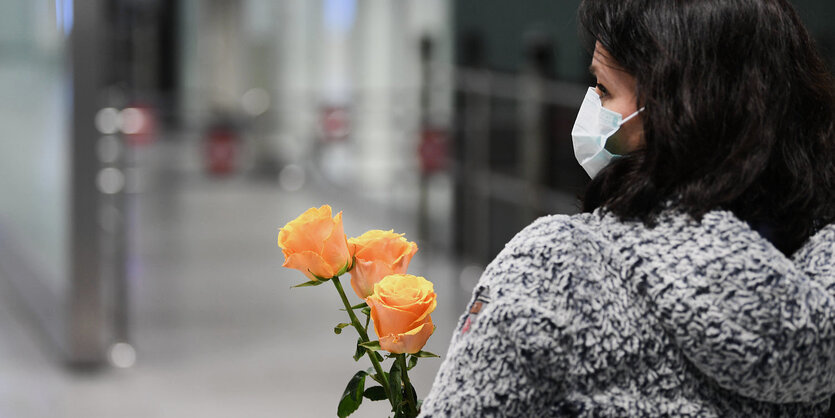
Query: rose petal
(388, 320)
(401, 263)
(310, 264)
(404, 290)
(308, 232)
(385, 246)
(335, 246)
(417, 310)
(427, 310)
(367, 242)
(366, 274)
(409, 342)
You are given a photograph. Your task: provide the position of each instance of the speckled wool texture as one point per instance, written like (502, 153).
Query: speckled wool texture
(595, 317)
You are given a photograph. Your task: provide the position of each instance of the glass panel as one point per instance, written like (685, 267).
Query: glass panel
(35, 94)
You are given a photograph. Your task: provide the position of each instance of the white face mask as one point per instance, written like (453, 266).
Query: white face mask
(593, 127)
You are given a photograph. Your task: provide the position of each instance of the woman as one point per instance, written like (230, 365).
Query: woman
(701, 279)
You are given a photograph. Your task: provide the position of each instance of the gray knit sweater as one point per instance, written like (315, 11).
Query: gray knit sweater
(588, 315)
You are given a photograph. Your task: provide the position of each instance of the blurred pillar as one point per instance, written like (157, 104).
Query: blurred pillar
(336, 51)
(426, 47)
(212, 68)
(533, 156)
(473, 149)
(86, 322)
(432, 20)
(224, 54)
(190, 104)
(260, 33)
(379, 44)
(296, 41)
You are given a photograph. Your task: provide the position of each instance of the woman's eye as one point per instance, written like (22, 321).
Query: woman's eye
(601, 89)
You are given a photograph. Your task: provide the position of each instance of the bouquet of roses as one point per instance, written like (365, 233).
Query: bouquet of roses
(399, 304)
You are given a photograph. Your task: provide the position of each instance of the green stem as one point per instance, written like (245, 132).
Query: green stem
(410, 394)
(364, 337)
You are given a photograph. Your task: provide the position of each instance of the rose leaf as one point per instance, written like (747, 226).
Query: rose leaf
(371, 345)
(360, 350)
(412, 362)
(352, 397)
(308, 284)
(375, 393)
(395, 384)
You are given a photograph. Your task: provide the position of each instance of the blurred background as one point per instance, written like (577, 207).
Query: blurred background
(151, 149)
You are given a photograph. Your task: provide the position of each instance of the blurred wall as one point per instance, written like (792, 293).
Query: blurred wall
(357, 59)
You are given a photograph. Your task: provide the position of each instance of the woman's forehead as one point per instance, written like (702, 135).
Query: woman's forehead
(600, 53)
(602, 60)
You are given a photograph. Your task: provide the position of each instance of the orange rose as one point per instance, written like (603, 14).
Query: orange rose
(378, 254)
(400, 308)
(316, 244)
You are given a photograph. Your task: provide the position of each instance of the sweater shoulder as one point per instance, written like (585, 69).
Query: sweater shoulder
(548, 245)
(553, 231)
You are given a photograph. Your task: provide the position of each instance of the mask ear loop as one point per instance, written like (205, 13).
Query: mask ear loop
(633, 115)
(628, 118)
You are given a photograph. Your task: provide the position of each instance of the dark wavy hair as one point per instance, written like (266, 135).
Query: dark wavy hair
(740, 113)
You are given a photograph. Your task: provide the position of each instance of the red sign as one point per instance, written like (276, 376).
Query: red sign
(433, 151)
(336, 123)
(221, 150)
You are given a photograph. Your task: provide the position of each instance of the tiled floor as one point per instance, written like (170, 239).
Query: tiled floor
(218, 331)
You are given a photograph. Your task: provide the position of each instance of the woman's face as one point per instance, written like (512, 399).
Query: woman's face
(616, 89)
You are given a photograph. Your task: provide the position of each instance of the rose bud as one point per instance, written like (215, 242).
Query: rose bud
(378, 254)
(315, 244)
